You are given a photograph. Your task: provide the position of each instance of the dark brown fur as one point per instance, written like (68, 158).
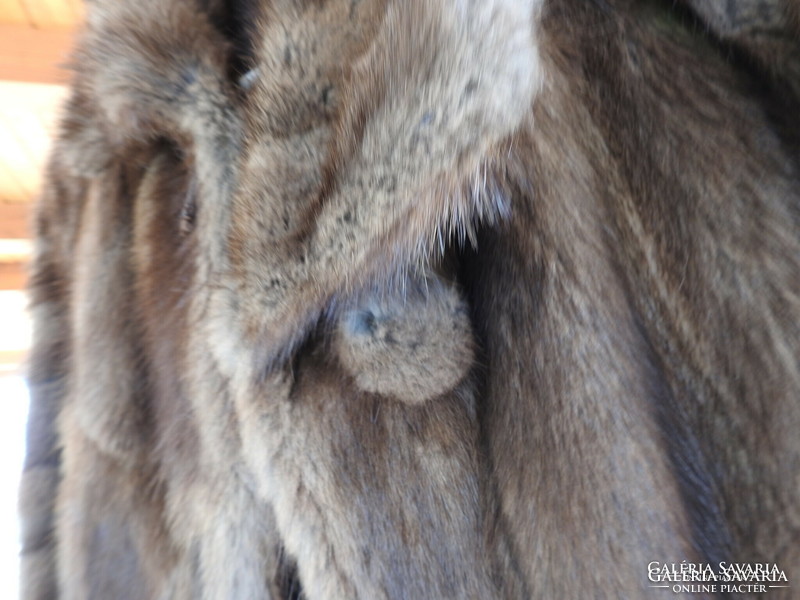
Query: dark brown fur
(574, 236)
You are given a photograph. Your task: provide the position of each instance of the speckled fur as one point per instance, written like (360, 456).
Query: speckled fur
(406, 299)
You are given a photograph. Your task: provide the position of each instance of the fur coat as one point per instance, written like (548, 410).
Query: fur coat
(417, 299)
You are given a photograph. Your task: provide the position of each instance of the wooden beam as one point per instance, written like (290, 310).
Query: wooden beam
(13, 276)
(34, 55)
(15, 221)
(51, 13)
(12, 11)
(14, 247)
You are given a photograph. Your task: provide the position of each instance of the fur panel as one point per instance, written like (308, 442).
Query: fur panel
(415, 299)
(410, 136)
(765, 31)
(386, 346)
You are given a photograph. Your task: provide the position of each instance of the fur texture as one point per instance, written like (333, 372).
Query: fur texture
(410, 299)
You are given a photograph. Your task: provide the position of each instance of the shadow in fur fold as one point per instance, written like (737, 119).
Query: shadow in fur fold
(411, 299)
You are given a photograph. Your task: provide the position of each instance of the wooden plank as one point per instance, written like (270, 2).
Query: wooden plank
(59, 11)
(15, 220)
(35, 56)
(13, 276)
(11, 186)
(12, 11)
(78, 10)
(38, 12)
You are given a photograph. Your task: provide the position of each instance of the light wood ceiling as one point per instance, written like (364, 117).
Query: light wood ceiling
(35, 39)
(41, 14)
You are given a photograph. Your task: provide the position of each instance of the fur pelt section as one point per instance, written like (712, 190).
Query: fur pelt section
(386, 345)
(765, 31)
(415, 131)
(408, 299)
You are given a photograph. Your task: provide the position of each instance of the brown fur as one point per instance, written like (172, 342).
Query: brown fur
(406, 299)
